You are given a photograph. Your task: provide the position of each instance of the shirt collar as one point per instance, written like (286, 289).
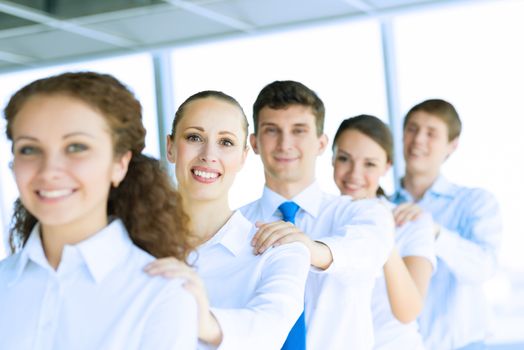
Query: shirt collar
(308, 200)
(32, 250)
(440, 187)
(100, 253)
(233, 235)
(106, 249)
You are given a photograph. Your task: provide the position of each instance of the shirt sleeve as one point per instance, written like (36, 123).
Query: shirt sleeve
(470, 253)
(172, 323)
(276, 304)
(417, 239)
(361, 241)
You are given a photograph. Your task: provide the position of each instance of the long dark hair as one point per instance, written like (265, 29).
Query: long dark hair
(146, 201)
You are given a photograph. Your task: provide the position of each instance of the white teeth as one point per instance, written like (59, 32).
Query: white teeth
(55, 193)
(205, 174)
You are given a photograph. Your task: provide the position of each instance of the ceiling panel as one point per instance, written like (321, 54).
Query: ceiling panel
(276, 12)
(71, 29)
(162, 27)
(65, 45)
(7, 22)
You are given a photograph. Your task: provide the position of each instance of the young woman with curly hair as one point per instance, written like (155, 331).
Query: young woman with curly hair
(93, 210)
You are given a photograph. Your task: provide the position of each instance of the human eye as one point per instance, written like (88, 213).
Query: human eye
(227, 142)
(76, 147)
(270, 130)
(298, 131)
(26, 150)
(193, 138)
(342, 158)
(411, 128)
(370, 165)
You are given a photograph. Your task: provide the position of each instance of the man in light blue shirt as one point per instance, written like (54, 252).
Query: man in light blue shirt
(467, 229)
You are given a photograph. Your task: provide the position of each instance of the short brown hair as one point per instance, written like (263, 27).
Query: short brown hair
(146, 201)
(282, 94)
(442, 110)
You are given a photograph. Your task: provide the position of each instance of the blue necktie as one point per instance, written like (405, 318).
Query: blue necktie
(296, 339)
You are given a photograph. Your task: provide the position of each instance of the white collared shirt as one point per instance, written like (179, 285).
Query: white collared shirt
(255, 298)
(360, 237)
(98, 298)
(414, 238)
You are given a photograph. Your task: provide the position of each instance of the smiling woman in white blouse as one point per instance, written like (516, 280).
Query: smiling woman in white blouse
(246, 300)
(92, 211)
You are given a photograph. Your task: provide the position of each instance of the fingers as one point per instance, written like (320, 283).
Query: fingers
(270, 233)
(406, 212)
(169, 268)
(264, 230)
(170, 261)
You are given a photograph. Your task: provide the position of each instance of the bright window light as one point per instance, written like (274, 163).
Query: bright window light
(341, 62)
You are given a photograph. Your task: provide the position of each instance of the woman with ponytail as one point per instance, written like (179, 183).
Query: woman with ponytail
(362, 154)
(93, 210)
(245, 300)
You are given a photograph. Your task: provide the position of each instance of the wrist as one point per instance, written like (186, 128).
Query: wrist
(210, 331)
(321, 256)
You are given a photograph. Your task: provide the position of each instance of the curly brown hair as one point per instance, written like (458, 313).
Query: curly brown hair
(146, 201)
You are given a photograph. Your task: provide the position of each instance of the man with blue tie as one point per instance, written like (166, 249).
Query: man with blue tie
(348, 241)
(467, 231)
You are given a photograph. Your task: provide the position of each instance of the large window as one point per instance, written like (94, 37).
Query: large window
(342, 63)
(472, 56)
(124, 68)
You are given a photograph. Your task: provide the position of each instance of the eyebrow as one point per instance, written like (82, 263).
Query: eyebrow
(274, 124)
(77, 133)
(71, 134)
(222, 132)
(349, 154)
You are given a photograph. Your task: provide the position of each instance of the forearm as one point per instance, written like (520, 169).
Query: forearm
(405, 298)
(209, 330)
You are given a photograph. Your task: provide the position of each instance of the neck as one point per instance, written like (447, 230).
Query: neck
(54, 238)
(207, 217)
(288, 190)
(418, 184)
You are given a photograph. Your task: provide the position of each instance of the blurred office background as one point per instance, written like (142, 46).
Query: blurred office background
(361, 56)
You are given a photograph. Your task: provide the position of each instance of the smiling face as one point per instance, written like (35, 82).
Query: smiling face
(358, 164)
(426, 144)
(288, 145)
(208, 149)
(64, 163)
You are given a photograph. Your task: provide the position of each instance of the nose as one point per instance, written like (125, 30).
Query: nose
(419, 136)
(208, 153)
(285, 141)
(355, 170)
(52, 165)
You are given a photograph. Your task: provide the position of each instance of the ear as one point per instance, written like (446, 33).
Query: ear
(253, 142)
(170, 149)
(120, 167)
(452, 146)
(386, 169)
(323, 141)
(244, 157)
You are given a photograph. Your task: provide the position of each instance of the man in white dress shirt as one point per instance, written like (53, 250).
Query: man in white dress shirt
(349, 241)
